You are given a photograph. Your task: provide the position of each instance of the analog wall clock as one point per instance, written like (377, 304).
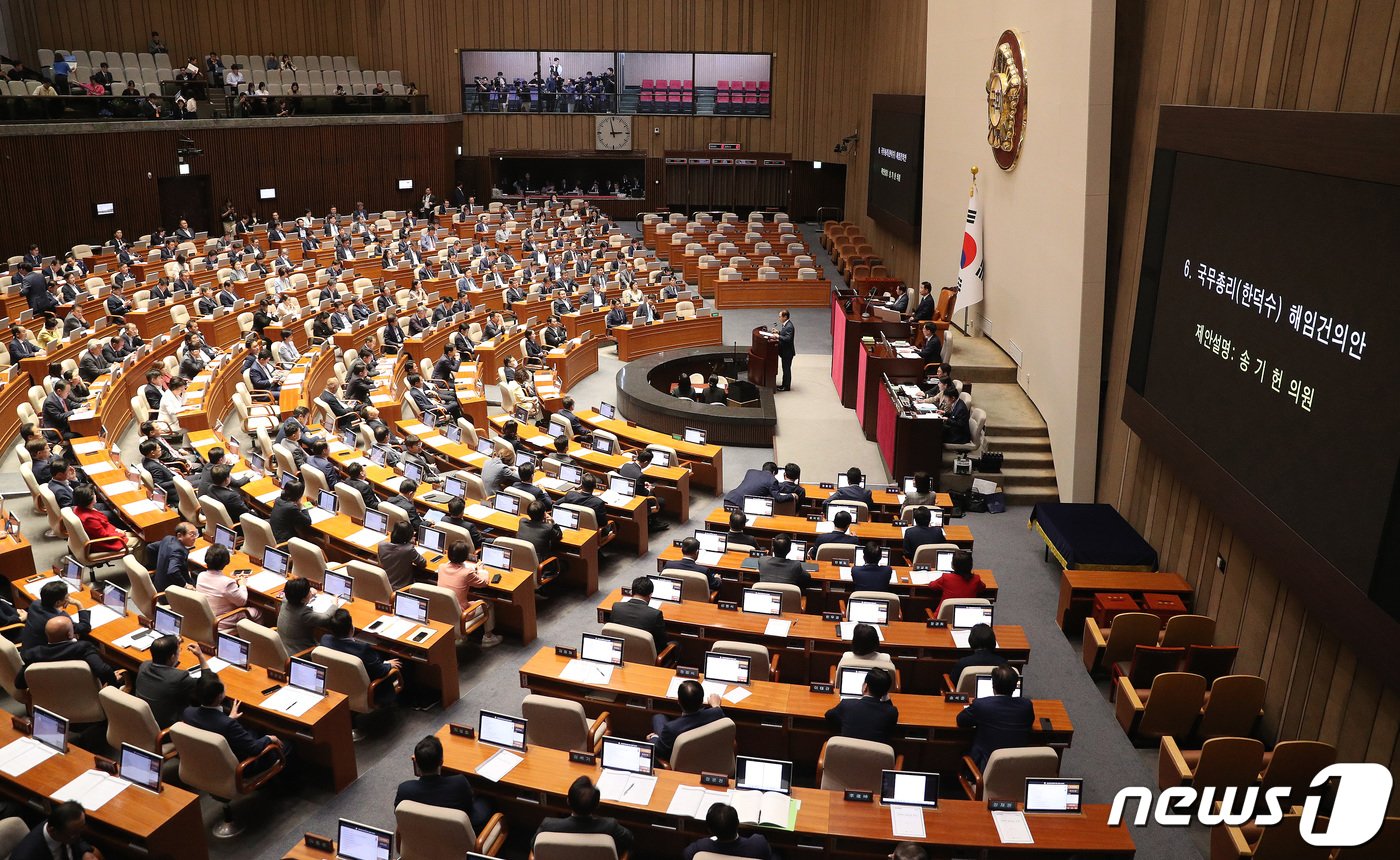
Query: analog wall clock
(1007, 96)
(613, 133)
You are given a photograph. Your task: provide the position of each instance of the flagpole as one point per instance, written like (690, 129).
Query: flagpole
(972, 191)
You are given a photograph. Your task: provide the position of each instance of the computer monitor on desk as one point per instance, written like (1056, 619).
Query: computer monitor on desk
(727, 668)
(601, 649)
(910, 788)
(666, 588)
(763, 774)
(494, 555)
(355, 841)
(275, 561)
(501, 730)
(965, 617)
(139, 767)
(1046, 795)
(231, 650)
(630, 756)
(50, 729)
(308, 676)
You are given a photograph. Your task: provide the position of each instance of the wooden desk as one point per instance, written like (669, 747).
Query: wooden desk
(908, 440)
(826, 825)
(877, 361)
(887, 534)
(135, 823)
(784, 292)
(887, 504)
(491, 354)
(812, 646)
(704, 461)
(847, 329)
(1078, 587)
(151, 525)
(635, 341)
(113, 404)
(572, 363)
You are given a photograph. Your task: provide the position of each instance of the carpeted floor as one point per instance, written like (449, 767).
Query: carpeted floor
(281, 813)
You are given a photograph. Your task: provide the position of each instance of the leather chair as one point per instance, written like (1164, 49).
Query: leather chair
(561, 724)
(967, 679)
(638, 646)
(522, 557)
(1233, 707)
(834, 551)
(1293, 764)
(10, 664)
(198, 621)
(1127, 631)
(575, 846)
(265, 647)
(707, 749)
(257, 536)
(946, 608)
(438, 833)
(346, 674)
(1169, 708)
(1183, 630)
(142, 595)
(792, 602)
(444, 608)
(1004, 776)
(130, 721)
(855, 764)
(763, 664)
(370, 582)
(1219, 763)
(80, 546)
(66, 687)
(208, 765)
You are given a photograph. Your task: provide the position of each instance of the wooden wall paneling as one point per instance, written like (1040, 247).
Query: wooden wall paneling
(1287, 54)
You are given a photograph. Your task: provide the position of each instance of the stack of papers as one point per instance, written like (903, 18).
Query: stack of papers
(912, 390)
(265, 581)
(825, 527)
(694, 801)
(390, 626)
(89, 448)
(38, 585)
(319, 515)
(292, 701)
(92, 789)
(1012, 828)
(907, 822)
(587, 672)
(366, 538)
(848, 629)
(497, 766)
(923, 577)
(709, 558)
(197, 556)
(264, 498)
(18, 756)
(736, 695)
(116, 488)
(960, 637)
(323, 602)
(626, 787)
(478, 511)
(618, 500)
(141, 506)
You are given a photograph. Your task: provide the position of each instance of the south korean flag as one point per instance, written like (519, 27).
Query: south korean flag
(970, 267)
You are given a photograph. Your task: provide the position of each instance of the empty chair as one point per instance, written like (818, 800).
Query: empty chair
(346, 674)
(574, 846)
(257, 536)
(1128, 630)
(849, 763)
(1004, 777)
(1293, 764)
(834, 551)
(66, 687)
(1169, 708)
(1183, 630)
(637, 645)
(1148, 662)
(1219, 763)
(438, 833)
(265, 647)
(792, 594)
(207, 764)
(1282, 841)
(1233, 707)
(561, 724)
(1210, 661)
(130, 721)
(370, 582)
(707, 749)
(763, 666)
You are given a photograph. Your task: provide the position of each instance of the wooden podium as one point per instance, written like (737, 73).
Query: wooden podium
(763, 359)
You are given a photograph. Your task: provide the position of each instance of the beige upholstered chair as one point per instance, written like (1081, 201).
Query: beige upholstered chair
(856, 764)
(561, 724)
(265, 647)
(1004, 777)
(1233, 707)
(709, 748)
(130, 721)
(438, 833)
(574, 846)
(637, 645)
(208, 765)
(792, 594)
(763, 666)
(66, 687)
(346, 674)
(198, 621)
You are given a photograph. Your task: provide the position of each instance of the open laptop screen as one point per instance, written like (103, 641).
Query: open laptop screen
(1053, 795)
(631, 756)
(909, 787)
(763, 774)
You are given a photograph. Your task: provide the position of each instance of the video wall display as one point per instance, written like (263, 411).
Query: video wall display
(632, 82)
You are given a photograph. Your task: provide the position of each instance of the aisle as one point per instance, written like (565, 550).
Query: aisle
(816, 431)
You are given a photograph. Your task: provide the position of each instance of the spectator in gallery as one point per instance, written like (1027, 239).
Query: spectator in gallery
(156, 45)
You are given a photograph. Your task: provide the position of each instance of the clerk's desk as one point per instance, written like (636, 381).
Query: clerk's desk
(776, 720)
(321, 735)
(887, 505)
(801, 528)
(706, 462)
(830, 584)
(878, 362)
(136, 823)
(813, 646)
(635, 340)
(827, 826)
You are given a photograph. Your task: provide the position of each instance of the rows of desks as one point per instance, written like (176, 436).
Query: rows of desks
(635, 341)
(802, 528)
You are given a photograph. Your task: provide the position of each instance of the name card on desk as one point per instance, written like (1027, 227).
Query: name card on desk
(687, 672)
(1002, 805)
(894, 488)
(827, 485)
(716, 779)
(383, 607)
(626, 590)
(957, 698)
(936, 624)
(853, 796)
(821, 688)
(728, 606)
(565, 651)
(582, 757)
(814, 518)
(900, 524)
(318, 843)
(457, 730)
(676, 542)
(279, 677)
(757, 553)
(831, 616)
(840, 562)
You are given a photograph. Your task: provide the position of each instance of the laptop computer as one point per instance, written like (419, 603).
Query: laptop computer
(1054, 795)
(355, 841)
(762, 602)
(729, 668)
(501, 730)
(910, 788)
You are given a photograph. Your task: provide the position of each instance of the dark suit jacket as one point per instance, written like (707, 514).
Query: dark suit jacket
(172, 565)
(39, 615)
(1000, 721)
(980, 657)
(544, 537)
(787, 340)
(956, 428)
(622, 837)
(167, 689)
(590, 501)
(754, 846)
(55, 413)
(915, 537)
(693, 566)
(73, 649)
(374, 663)
(62, 492)
(401, 563)
(450, 791)
(674, 728)
(783, 570)
(161, 476)
(850, 493)
(242, 742)
(33, 846)
(931, 352)
(925, 309)
(634, 612)
(231, 499)
(755, 482)
(871, 577)
(834, 537)
(866, 719)
(288, 520)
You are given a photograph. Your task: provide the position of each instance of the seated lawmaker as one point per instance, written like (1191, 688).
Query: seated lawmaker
(853, 491)
(208, 714)
(696, 711)
(960, 582)
(872, 717)
(921, 533)
(636, 611)
(584, 798)
(342, 638)
(723, 823)
(778, 568)
(870, 575)
(689, 562)
(982, 639)
(1001, 720)
(434, 788)
(840, 533)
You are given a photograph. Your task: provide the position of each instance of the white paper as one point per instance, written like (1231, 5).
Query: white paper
(264, 498)
(777, 627)
(37, 585)
(478, 511)
(92, 789)
(142, 506)
(291, 701)
(848, 629)
(923, 577)
(216, 665)
(686, 800)
(197, 557)
(389, 626)
(89, 447)
(907, 822)
(139, 639)
(366, 538)
(497, 766)
(318, 515)
(736, 695)
(626, 787)
(20, 755)
(265, 581)
(715, 688)
(843, 574)
(959, 637)
(323, 603)
(418, 429)
(116, 488)
(99, 468)
(99, 615)
(1012, 828)
(824, 527)
(587, 672)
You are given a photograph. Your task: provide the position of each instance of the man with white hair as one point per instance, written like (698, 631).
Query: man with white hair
(92, 364)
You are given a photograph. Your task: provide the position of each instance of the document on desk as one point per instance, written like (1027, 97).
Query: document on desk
(92, 789)
(265, 580)
(694, 801)
(291, 701)
(89, 447)
(478, 511)
(366, 538)
(324, 602)
(139, 639)
(418, 429)
(907, 822)
(627, 787)
(1012, 828)
(99, 468)
(264, 498)
(777, 627)
(960, 637)
(319, 515)
(587, 672)
(766, 808)
(848, 629)
(116, 488)
(912, 390)
(715, 688)
(497, 766)
(20, 755)
(197, 556)
(141, 506)
(825, 527)
(38, 585)
(99, 615)
(736, 695)
(923, 577)
(389, 626)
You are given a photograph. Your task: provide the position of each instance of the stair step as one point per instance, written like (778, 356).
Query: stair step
(972, 373)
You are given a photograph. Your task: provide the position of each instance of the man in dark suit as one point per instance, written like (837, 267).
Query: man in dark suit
(163, 685)
(342, 638)
(853, 491)
(567, 413)
(172, 559)
(52, 603)
(871, 575)
(983, 642)
(92, 365)
(956, 427)
(787, 348)
(260, 375)
(584, 798)
(526, 484)
(872, 717)
(723, 823)
(920, 533)
(791, 484)
(35, 290)
(20, 346)
(56, 411)
(432, 787)
(59, 835)
(404, 502)
(690, 553)
(636, 612)
(221, 489)
(161, 475)
(1001, 720)
(62, 644)
(841, 522)
(584, 497)
(288, 519)
(931, 352)
(757, 482)
(538, 530)
(778, 568)
(696, 711)
(926, 306)
(208, 714)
